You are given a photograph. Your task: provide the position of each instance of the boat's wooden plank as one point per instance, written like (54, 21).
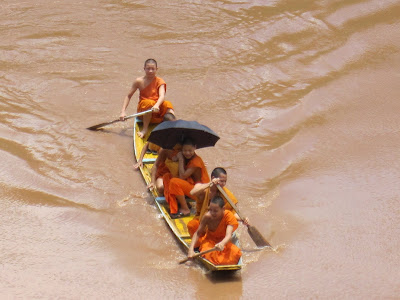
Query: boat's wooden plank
(149, 160)
(180, 224)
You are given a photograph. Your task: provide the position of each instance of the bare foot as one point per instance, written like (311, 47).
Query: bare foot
(141, 134)
(138, 165)
(185, 212)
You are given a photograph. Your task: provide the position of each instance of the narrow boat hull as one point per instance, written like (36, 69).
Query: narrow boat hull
(178, 226)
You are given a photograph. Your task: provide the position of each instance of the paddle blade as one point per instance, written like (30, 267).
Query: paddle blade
(95, 127)
(257, 237)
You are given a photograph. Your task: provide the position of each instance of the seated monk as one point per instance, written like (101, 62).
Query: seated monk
(191, 170)
(215, 230)
(204, 192)
(166, 162)
(150, 146)
(152, 92)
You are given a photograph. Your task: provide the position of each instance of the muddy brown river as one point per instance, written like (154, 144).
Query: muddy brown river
(304, 95)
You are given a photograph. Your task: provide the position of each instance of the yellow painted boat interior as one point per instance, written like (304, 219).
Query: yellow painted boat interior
(178, 226)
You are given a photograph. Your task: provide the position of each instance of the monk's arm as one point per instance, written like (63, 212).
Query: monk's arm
(183, 174)
(161, 96)
(200, 232)
(221, 245)
(160, 158)
(199, 188)
(187, 173)
(195, 238)
(128, 99)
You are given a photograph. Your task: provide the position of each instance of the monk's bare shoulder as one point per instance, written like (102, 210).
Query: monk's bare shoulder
(162, 156)
(206, 218)
(139, 83)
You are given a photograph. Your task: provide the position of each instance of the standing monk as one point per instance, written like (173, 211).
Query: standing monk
(191, 170)
(204, 192)
(152, 92)
(216, 230)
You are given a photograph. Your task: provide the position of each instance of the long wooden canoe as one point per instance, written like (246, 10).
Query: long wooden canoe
(178, 226)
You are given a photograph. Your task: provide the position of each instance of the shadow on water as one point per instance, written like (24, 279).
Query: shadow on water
(224, 276)
(224, 285)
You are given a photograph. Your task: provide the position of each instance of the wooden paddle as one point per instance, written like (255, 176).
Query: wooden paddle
(95, 127)
(256, 236)
(198, 254)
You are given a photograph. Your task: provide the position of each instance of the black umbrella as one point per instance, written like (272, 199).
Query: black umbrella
(169, 133)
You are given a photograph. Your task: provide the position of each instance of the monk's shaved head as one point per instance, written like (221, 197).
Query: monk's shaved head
(218, 200)
(217, 172)
(150, 61)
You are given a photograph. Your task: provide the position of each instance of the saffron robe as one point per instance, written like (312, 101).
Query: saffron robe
(148, 98)
(231, 253)
(201, 208)
(168, 166)
(174, 186)
(154, 147)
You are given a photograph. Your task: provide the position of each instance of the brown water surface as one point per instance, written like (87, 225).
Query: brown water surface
(304, 95)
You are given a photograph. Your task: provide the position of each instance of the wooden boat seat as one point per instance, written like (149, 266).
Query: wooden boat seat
(149, 160)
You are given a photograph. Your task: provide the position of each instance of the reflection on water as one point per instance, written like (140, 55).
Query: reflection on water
(303, 95)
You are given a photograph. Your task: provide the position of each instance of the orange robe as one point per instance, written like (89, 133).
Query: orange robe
(168, 166)
(174, 186)
(231, 253)
(154, 147)
(148, 98)
(193, 224)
